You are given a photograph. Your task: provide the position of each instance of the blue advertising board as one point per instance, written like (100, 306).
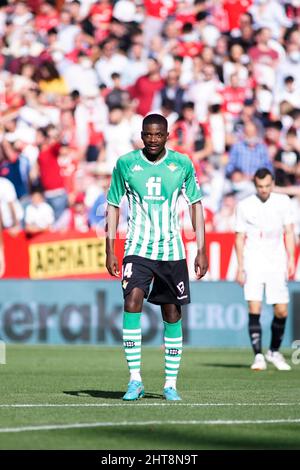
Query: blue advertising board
(90, 312)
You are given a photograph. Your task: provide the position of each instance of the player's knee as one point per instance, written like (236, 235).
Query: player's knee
(171, 313)
(281, 312)
(134, 301)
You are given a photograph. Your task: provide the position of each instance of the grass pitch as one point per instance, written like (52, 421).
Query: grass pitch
(69, 397)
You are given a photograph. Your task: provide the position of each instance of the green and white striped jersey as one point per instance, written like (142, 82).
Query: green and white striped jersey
(152, 189)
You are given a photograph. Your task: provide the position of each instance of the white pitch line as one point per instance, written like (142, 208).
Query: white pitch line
(118, 405)
(52, 427)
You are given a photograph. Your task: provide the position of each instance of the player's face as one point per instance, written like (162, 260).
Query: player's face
(264, 187)
(154, 137)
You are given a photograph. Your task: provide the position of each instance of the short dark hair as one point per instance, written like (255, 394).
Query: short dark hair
(155, 119)
(261, 173)
(289, 79)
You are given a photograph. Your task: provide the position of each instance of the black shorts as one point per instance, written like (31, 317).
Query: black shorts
(170, 279)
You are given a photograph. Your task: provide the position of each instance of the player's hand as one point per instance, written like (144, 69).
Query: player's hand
(201, 264)
(2, 263)
(112, 265)
(241, 277)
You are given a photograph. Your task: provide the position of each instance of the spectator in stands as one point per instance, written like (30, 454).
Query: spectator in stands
(233, 96)
(15, 167)
(118, 137)
(50, 80)
(50, 176)
(218, 133)
(77, 218)
(117, 95)
(189, 136)
(146, 86)
(192, 54)
(247, 114)
(290, 92)
(273, 137)
(172, 91)
(39, 215)
(224, 219)
(287, 162)
(240, 185)
(235, 65)
(111, 60)
(248, 155)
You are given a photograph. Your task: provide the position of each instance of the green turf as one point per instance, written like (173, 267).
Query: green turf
(98, 375)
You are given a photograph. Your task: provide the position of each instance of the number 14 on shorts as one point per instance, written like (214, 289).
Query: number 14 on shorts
(127, 270)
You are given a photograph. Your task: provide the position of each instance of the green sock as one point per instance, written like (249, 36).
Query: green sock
(132, 339)
(173, 350)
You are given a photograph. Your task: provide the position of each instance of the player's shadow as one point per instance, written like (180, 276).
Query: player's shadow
(227, 366)
(105, 394)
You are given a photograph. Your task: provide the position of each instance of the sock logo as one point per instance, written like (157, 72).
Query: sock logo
(173, 352)
(129, 344)
(255, 338)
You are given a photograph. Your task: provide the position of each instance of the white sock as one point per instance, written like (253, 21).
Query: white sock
(170, 383)
(135, 375)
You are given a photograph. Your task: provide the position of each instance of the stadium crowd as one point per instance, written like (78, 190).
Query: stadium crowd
(77, 77)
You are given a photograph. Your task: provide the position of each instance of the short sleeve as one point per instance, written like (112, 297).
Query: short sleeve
(288, 211)
(191, 189)
(117, 186)
(240, 220)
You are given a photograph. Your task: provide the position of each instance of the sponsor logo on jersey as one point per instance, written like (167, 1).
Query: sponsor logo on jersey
(154, 189)
(137, 168)
(124, 284)
(129, 344)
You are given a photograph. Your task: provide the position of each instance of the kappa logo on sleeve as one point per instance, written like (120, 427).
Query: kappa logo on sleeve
(137, 168)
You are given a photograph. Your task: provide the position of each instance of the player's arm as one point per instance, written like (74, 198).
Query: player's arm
(114, 196)
(2, 259)
(112, 222)
(239, 248)
(197, 218)
(290, 248)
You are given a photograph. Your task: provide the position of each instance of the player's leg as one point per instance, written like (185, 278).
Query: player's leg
(254, 326)
(135, 282)
(171, 314)
(277, 295)
(277, 333)
(253, 292)
(170, 290)
(255, 334)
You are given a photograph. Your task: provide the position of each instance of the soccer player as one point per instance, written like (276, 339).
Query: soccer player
(265, 261)
(152, 179)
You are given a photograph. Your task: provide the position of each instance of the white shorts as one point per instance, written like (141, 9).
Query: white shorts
(274, 284)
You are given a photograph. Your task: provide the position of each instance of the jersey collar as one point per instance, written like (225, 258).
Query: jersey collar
(154, 163)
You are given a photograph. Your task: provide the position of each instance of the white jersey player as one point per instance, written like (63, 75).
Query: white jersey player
(265, 262)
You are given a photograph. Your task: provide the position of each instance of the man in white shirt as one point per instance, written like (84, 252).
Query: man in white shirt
(265, 262)
(39, 215)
